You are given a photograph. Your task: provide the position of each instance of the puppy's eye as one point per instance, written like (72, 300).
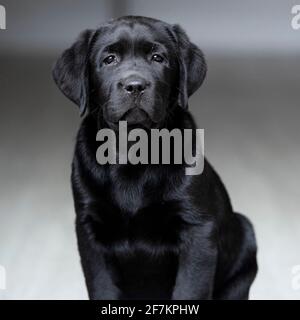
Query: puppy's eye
(157, 58)
(110, 59)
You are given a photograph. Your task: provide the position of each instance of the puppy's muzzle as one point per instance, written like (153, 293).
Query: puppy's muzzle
(134, 85)
(136, 116)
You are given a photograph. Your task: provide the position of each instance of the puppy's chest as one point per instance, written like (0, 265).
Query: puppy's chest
(155, 228)
(136, 216)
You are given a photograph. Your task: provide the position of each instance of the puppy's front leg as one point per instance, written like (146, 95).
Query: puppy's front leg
(98, 279)
(197, 264)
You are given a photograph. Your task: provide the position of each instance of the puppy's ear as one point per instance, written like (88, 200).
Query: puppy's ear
(192, 66)
(70, 71)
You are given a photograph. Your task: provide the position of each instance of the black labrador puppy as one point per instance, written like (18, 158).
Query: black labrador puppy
(148, 231)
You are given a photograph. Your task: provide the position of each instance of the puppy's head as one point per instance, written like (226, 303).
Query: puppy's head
(133, 68)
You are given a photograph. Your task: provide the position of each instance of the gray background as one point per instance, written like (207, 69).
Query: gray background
(248, 106)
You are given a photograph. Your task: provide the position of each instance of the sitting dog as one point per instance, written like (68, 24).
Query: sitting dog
(148, 231)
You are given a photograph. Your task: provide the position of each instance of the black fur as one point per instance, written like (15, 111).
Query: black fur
(148, 231)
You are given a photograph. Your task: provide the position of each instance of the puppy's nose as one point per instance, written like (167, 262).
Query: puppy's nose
(135, 86)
